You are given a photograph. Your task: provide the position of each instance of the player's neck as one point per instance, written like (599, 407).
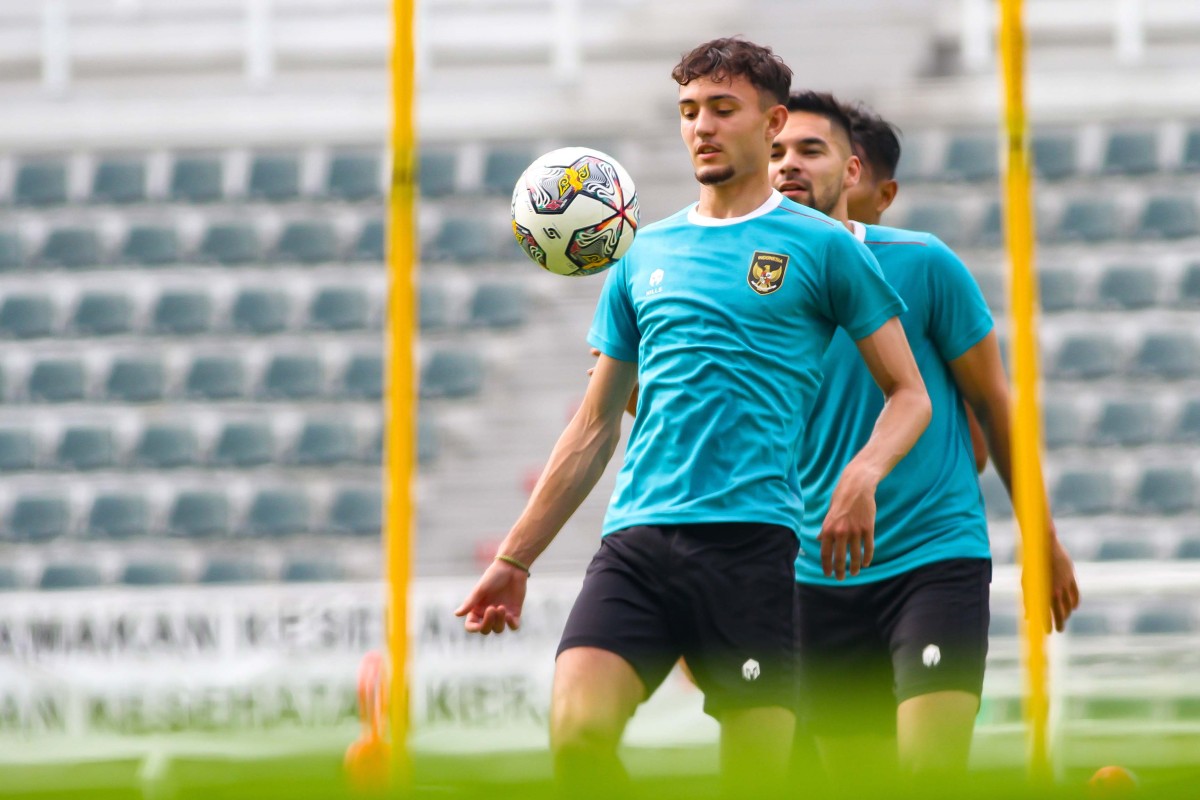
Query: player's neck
(735, 198)
(841, 212)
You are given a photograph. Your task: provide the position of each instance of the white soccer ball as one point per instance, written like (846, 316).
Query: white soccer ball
(575, 211)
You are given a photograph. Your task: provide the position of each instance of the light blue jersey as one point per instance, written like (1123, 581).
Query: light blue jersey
(929, 508)
(728, 320)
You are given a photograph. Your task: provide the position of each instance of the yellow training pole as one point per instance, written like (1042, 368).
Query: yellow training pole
(1029, 494)
(400, 387)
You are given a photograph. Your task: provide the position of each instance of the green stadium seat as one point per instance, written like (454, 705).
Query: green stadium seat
(196, 179)
(151, 246)
(167, 446)
(1125, 550)
(1127, 423)
(293, 377)
(499, 305)
(27, 316)
(429, 440)
(1054, 156)
(1061, 425)
(1189, 549)
(363, 378)
(1058, 289)
(136, 379)
(87, 447)
(231, 244)
(1090, 221)
(995, 496)
(354, 176)
(1083, 493)
(313, 571)
(61, 576)
(433, 308)
(151, 573)
(451, 373)
(1189, 287)
(57, 380)
(18, 451)
(1169, 218)
(307, 242)
(233, 570)
(244, 444)
(325, 443)
(342, 308)
(1089, 623)
(1168, 356)
(215, 378)
(260, 311)
(464, 240)
(1166, 491)
(199, 514)
(12, 252)
(103, 314)
(119, 181)
(1086, 357)
(1168, 619)
(502, 166)
(278, 512)
(41, 183)
(39, 518)
(72, 248)
(357, 512)
(118, 516)
(1131, 153)
(369, 244)
(436, 170)
(1188, 428)
(943, 220)
(1128, 288)
(972, 157)
(183, 312)
(275, 178)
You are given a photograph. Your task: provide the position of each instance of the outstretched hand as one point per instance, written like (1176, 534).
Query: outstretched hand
(495, 602)
(1064, 591)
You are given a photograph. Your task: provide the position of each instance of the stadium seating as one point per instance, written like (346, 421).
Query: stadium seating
(215, 378)
(274, 177)
(340, 308)
(433, 308)
(1128, 288)
(1188, 428)
(972, 157)
(72, 248)
(87, 447)
(325, 443)
(18, 451)
(499, 305)
(1131, 153)
(119, 181)
(1166, 491)
(12, 252)
(1169, 217)
(943, 220)
(1054, 156)
(1191, 150)
(233, 570)
(1126, 423)
(1090, 220)
(307, 242)
(1189, 549)
(1169, 356)
(151, 573)
(429, 440)
(452, 373)
(1083, 493)
(196, 179)
(502, 166)
(994, 289)
(57, 380)
(357, 512)
(260, 311)
(1003, 625)
(436, 175)
(10, 579)
(118, 516)
(463, 240)
(292, 377)
(41, 183)
(1168, 619)
(244, 444)
(369, 244)
(1125, 550)
(136, 379)
(151, 246)
(995, 496)
(37, 518)
(70, 575)
(1061, 424)
(312, 571)
(991, 229)
(1086, 357)
(26, 316)
(1058, 289)
(231, 244)
(363, 378)
(199, 513)
(1189, 287)
(167, 446)
(354, 176)
(103, 314)
(278, 512)
(183, 313)
(1089, 623)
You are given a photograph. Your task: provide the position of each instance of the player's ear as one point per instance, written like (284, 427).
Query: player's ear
(887, 194)
(777, 116)
(853, 173)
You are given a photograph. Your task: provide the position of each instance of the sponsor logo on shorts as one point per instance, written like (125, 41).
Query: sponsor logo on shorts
(766, 271)
(931, 655)
(751, 670)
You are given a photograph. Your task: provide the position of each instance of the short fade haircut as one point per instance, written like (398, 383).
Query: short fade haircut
(876, 141)
(725, 59)
(823, 104)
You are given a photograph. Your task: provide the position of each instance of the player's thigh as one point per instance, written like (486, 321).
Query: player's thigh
(756, 748)
(845, 670)
(934, 730)
(734, 606)
(937, 623)
(595, 693)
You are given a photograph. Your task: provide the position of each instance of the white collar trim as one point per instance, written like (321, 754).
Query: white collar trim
(770, 205)
(859, 230)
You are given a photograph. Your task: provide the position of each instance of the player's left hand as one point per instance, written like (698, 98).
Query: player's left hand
(495, 602)
(1064, 591)
(849, 527)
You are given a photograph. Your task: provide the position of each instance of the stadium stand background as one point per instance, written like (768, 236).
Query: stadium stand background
(191, 276)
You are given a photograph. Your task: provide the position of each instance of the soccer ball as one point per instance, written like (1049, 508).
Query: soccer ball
(575, 211)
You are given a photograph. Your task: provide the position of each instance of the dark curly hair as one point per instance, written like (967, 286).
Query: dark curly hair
(823, 104)
(876, 141)
(724, 59)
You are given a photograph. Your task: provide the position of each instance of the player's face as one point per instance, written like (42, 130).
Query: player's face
(870, 197)
(726, 129)
(810, 161)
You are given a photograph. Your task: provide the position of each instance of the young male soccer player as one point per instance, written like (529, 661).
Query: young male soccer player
(892, 657)
(721, 313)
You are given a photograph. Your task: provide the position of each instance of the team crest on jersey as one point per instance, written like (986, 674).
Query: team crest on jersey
(766, 271)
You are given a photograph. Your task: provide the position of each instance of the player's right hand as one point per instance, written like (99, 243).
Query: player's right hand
(848, 532)
(496, 600)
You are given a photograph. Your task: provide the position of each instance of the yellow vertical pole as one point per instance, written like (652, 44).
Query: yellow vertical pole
(400, 387)
(1029, 494)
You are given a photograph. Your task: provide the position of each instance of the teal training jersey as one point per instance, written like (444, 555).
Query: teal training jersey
(727, 320)
(929, 508)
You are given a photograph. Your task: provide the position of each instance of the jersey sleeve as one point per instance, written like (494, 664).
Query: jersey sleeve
(859, 298)
(614, 330)
(958, 314)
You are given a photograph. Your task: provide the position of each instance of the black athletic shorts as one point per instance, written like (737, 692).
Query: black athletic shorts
(865, 649)
(720, 595)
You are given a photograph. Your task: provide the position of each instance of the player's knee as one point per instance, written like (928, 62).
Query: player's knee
(582, 730)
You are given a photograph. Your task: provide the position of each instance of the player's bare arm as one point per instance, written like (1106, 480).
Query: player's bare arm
(978, 440)
(849, 526)
(980, 376)
(631, 404)
(576, 463)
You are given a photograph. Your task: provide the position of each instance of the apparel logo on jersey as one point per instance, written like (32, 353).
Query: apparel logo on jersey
(766, 271)
(656, 279)
(751, 670)
(931, 655)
